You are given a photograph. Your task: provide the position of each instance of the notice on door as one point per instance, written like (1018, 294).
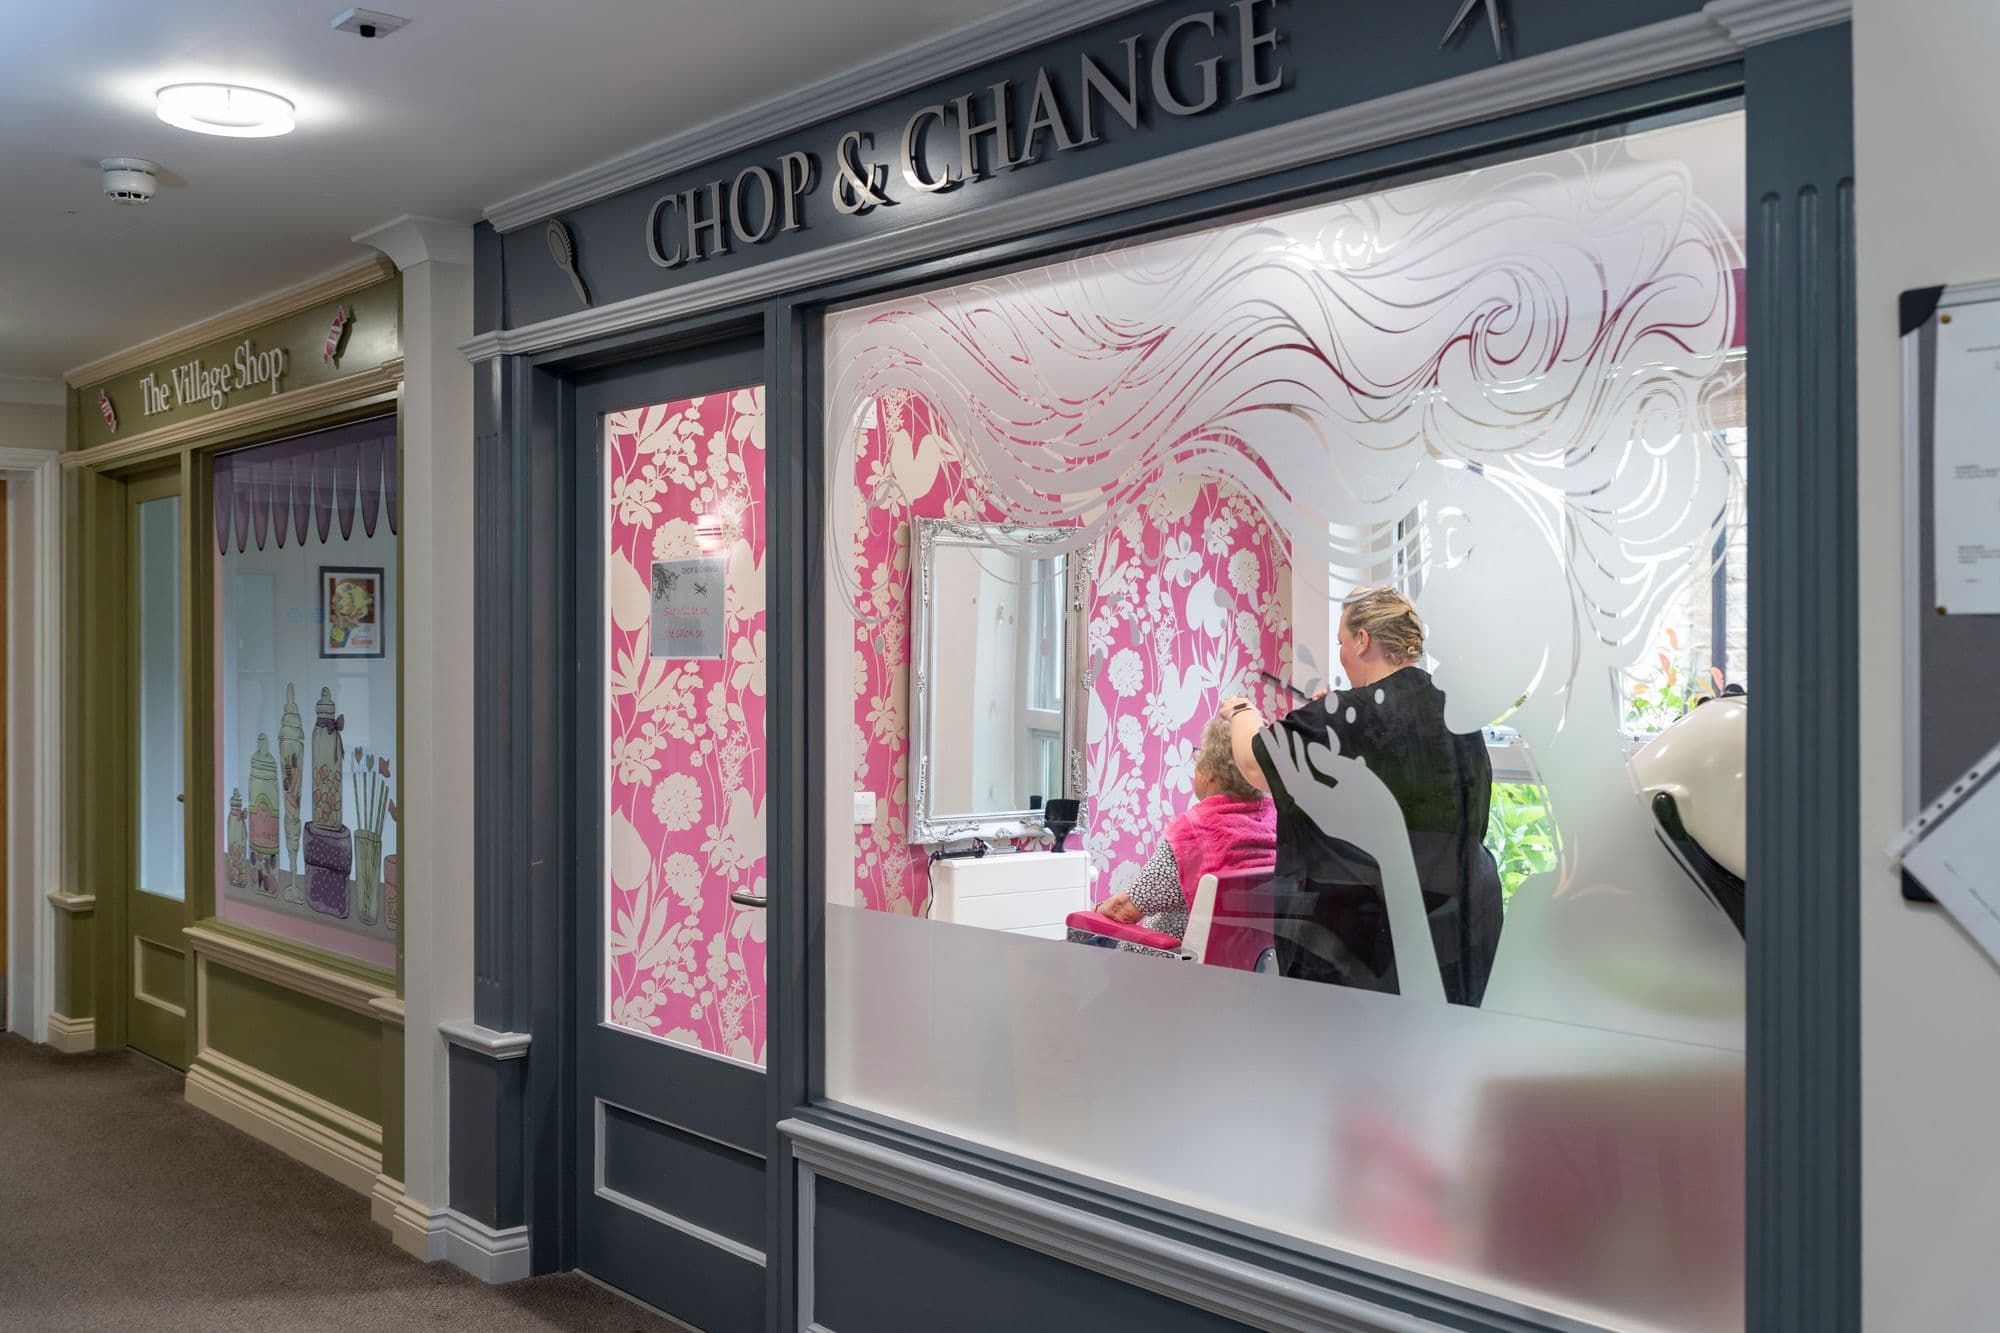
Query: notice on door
(687, 607)
(1965, 470)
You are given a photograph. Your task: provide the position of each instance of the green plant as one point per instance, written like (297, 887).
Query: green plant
(1521, 834)
(1666, 689)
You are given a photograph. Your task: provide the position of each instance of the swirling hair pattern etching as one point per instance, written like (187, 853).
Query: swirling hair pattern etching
(1556, 324)
(1500, 389)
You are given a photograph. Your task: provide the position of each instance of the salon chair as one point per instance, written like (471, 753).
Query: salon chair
(1229, 924)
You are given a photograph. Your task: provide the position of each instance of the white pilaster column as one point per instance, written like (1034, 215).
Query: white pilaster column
(435, 796)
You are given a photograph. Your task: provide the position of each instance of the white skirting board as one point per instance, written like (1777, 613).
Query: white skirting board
(415, 1229)
(72, 1036)
(434, 1234)
(492, 1256)
(256, 1103)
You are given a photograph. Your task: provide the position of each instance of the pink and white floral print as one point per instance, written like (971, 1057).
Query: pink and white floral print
(905, 470)
(685, 739)
(1190, 602)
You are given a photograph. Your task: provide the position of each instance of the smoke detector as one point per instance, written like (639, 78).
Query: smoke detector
(367, 22)
(130, 180)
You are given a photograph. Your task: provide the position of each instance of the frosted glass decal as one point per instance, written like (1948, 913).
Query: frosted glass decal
(1555, 1164)
(1497, 414)
(1494, 389)
(684, 781)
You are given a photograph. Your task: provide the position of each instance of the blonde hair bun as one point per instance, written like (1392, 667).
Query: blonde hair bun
(1389, 617)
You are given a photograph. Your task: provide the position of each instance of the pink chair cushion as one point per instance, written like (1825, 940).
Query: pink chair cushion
(1096, 923)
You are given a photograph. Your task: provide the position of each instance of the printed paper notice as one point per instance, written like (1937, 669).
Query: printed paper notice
(687, 607)
(1958, 861)
(1965, 461)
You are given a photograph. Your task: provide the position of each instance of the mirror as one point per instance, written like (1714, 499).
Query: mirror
(997, 693)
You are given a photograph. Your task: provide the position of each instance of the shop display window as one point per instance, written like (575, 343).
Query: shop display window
(1470, 454)
(307, 666)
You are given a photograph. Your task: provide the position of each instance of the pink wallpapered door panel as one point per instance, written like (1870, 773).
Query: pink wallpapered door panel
(1190, 601)
(685, 777)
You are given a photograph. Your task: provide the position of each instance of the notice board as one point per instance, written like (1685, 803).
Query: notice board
(1952, 654)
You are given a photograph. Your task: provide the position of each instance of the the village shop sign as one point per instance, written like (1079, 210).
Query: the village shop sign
(305, 347)
(195, 380)
(1199, 61)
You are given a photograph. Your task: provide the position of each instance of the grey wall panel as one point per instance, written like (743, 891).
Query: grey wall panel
(712, 1289)
(710, 1184)
(486, 1174)
(878, 1267)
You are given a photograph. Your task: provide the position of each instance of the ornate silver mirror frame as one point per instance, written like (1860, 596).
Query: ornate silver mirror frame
(928, 826)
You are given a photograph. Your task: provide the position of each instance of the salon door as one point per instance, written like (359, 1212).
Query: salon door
(672, 1122)
(152, 965)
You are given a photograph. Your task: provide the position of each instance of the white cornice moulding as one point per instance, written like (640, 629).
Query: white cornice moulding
(33, 391)
(1753, 22)
(414, 239)
(237, 319)
(1002, 34)
(1188, 1273)
(493, 1045)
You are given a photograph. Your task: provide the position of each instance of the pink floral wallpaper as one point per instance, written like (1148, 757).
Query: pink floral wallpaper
(1190, 601)
(686, 780)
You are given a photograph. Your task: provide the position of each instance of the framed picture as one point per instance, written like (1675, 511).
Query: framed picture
(351, 613)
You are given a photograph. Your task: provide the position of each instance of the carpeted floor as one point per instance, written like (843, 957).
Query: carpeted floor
(121, 1207)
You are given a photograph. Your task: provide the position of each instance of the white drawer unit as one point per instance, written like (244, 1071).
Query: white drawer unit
(1027, 893)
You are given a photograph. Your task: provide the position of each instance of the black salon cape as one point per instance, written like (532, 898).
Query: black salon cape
(1330, 917)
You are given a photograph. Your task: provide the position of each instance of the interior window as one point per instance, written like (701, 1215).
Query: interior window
(1354, 557)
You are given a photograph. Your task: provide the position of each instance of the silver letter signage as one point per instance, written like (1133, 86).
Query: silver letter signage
(1194, 64)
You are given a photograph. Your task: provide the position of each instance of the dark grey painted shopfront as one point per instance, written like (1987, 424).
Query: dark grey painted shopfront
(864, 1225)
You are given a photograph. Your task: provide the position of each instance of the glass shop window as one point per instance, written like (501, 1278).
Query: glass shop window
(306, 646)
(1354, 555)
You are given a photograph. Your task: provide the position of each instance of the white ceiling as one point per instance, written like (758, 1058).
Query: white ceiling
(475, 101)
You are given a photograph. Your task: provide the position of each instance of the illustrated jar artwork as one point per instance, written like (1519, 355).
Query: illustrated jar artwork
(367, 875)
(263, 816)
(291, 771)
(235, 863)
(329, 846)
(392, 901)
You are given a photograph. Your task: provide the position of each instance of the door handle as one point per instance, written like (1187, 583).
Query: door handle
(742, 899)
(181, 797)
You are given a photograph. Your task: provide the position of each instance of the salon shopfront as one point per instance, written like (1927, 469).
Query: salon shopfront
(892, 531)
(233, 844)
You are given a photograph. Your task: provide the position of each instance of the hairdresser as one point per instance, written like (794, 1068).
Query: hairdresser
(1333, 921)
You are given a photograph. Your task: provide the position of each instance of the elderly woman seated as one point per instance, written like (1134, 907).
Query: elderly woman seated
(1231, 827)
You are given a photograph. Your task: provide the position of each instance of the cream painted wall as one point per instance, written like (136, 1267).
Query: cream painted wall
(30, 425)
(37, 426)
(1927, 131)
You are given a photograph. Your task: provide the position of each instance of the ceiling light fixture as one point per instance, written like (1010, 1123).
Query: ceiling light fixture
(225, 109)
